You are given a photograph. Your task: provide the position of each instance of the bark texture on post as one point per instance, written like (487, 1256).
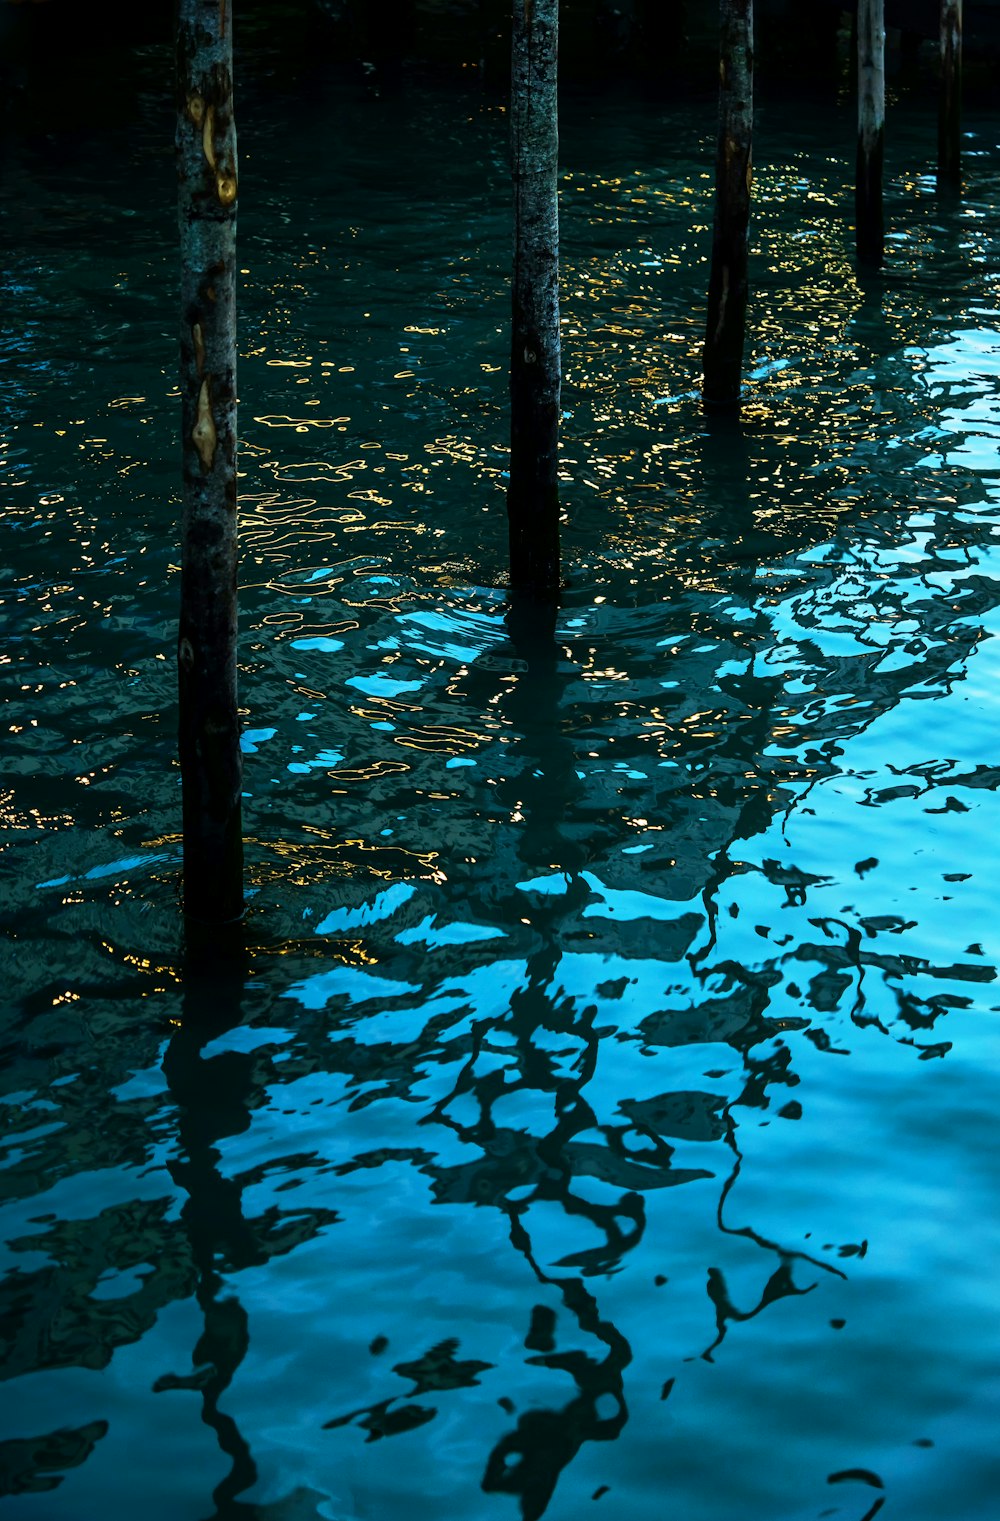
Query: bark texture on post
(535, 365)
(949, 170)
(725, 328)
(211, 765)
(869, 216)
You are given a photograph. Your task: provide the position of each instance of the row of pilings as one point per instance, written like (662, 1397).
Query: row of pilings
(209, 739)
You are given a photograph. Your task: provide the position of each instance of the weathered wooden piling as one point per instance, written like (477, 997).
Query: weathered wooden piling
(869, 215)
(535, 365)
(209, 737)
(949, 168)
(725, 327)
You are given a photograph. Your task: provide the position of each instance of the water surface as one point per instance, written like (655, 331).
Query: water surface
(600, 1110)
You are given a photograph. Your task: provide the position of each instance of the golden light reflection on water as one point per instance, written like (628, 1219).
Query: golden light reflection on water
(442, 740)
(397, 424)
(320, 857)
(303, 424)
(378, 768)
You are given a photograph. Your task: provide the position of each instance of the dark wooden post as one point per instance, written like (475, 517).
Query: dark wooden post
(949, 171)
(535, 365)
(869, 218)
(211, 766)
(725, 327)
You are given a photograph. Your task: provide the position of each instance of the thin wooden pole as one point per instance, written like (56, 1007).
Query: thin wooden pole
(209, 737)
(535, 365)
(949, 171)
(725, 328)
(869, 216)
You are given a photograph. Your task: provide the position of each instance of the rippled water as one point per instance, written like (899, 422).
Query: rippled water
(601, 1109)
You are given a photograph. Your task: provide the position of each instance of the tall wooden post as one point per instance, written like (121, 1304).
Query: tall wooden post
(535, 365)
(949, 170)
(725, 327)
(869, 217)
(211, 765)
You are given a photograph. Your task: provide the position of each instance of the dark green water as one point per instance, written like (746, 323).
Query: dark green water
(601, 1114)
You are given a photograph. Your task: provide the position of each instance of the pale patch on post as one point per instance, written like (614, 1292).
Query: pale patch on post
(207, 137)
(203, 434)
(720, 326)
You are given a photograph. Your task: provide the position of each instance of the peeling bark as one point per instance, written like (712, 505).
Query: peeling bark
(869, 216)
(209, 730)
(535, 366)
(949, 169)
(725, 328)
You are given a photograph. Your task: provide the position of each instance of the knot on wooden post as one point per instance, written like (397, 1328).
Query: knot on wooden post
(224, 173)
(208, 137)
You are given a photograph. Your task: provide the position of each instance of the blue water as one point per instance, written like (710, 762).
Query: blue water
(598, 1107)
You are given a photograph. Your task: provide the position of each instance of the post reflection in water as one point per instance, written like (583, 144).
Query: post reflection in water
(542, 791)
(212, 1097)
(541, 783)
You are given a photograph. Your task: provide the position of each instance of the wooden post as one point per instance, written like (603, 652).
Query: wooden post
(211, 765)
(870, 226)
(535, 365)
(725, 327)
(949, 171)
